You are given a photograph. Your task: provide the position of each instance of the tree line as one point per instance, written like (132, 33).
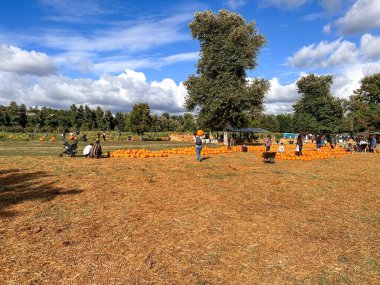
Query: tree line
(19, 118)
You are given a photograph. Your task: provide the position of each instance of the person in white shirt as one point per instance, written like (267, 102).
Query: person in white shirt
(363, 145)
(281, 148)
(87, 150)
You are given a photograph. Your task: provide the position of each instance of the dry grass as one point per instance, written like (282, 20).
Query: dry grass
(230, 219)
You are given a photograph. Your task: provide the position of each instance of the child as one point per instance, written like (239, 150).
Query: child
(244, 148)
(281, 148)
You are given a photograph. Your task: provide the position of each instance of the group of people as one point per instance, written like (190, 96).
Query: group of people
(362, 144)
(93, 150)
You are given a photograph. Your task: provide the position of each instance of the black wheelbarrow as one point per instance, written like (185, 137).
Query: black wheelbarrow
(269, 156)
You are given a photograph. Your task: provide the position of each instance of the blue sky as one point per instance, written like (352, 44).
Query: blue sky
(118, 53)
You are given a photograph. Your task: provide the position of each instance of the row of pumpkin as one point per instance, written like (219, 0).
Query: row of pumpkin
(309, 152)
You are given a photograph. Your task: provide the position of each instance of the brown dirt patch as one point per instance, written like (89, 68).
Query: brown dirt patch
(230, 219)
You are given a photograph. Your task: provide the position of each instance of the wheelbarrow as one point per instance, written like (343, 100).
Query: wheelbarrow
(269, 156)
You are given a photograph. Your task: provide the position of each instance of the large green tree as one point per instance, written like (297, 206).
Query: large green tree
(285, 123)
(220, 91)
(140, 119)
(120, 121)
(99, 114)
(109, 120)
(364, 105)
(317, 110)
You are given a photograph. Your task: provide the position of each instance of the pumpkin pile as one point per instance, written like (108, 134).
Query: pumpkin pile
(138, 153)
(309, 152)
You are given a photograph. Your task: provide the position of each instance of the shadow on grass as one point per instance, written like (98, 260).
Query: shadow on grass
(17, 186)
(206, 158)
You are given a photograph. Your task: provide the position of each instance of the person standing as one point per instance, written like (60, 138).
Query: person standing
(198, 144)
(374, 143)
(268, 143)
(281, 148)
(319, 142)
(104, 136)
(363, 145)
(300, 144)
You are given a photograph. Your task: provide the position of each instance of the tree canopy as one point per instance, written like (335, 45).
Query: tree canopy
(140, 118)
(364, 105)
(221, 92)
(317, 110)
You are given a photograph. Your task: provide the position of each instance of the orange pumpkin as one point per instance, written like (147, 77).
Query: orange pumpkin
(200, 133)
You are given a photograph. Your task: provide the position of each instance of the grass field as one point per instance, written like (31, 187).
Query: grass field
(230, 219)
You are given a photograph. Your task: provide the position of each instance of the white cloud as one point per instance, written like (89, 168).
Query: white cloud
(324, 55)
(235, 4)
(348, 78)
(280, 98)
(327, 29)
(125, 37)
(14, 59)
(281, 93)
(370, 46)
(278, 108)
(344, 54)
(286, 4)
(119, 93)
(336, 53)
(331, 6)
(188, 56)
(119, 63)
(361, 17)
(74, 8)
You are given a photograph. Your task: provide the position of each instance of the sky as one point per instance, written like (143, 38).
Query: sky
(118, 53)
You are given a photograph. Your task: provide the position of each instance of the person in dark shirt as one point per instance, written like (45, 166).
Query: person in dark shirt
(96, 150)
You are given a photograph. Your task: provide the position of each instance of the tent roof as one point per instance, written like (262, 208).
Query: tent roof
(366, 133)
(247, 130)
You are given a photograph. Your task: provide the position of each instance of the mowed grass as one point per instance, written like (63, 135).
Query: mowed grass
(230, 219)
(37, 148)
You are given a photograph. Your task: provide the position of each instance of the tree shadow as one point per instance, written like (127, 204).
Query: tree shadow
(17, 186)
(206, 157)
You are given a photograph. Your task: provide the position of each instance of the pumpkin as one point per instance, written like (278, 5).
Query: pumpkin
(200, 133)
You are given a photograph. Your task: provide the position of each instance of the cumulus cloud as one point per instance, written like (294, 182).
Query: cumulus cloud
(348, 79)
(336, 53)
(281, 93)
(363, 16)
(280, 98)
(370, 46)
(119, 93)
(324, 55)
(14, 59)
